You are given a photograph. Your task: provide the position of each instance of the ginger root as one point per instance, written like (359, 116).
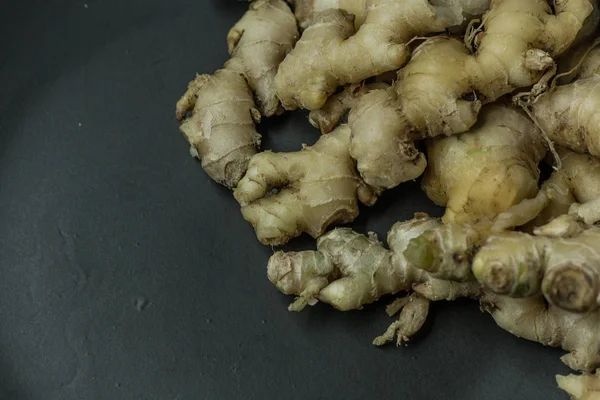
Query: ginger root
(443, 87)
(285, 194)
(581, 387)
(349, 270)
(332, 53)
(574, 189)
(569, 113)
(305, 10)
(478, 174)
(530, 318)
(327, 117)
(562, 259)
(221, 129)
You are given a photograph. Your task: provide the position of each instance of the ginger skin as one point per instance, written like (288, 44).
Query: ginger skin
(443, 87)
(328, 117)
(581, 387)
(220, 128)
(478, 174)
(569, 113)
(305, 10)
(332, 53)
(565, 267)
(574, 189)
(530, 318)
(221, 133)
(349, 270)
(285, 194)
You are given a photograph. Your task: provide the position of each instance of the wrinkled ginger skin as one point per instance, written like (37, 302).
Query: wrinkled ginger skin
(569, 114)
(305, 10)
(221, 128)
(478, 174)
(383, 157)
(328, 117)
(581, 387)
(507, 58)
(221, 133)
(442, 88)
(530, 318)
(314, 188)
(331, 53)
(257, 44)
(363, 269)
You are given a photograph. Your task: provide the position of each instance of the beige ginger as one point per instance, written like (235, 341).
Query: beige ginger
(350, 270)
(285, 194)
(570, 114)
(443, 87)
(581, 387)
(530, 318)
(332, 53)
(220, 128)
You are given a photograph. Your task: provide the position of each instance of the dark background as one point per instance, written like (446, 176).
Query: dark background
(125, 273)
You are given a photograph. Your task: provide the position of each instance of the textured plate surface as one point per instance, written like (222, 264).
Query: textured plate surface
(125, 273)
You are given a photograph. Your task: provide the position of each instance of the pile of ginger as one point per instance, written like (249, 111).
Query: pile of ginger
(493, 105)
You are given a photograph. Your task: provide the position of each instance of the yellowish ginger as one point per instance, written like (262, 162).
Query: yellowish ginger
(332, 53)
(574, 189)
(478, 174)
(350, 270)
(220, 128)
(443, 87)
(569, 114)
(285, 194)
(530, 318)
(585, 386)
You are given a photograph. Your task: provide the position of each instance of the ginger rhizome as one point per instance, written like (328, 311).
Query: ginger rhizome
(349, 270)
(530, 318)
(305, 10)
(443, 87)
(562, 259)
(569, 114)
(337, 105)
(574, 189)
(478, 174)
(332, 53)
(221, 128)
(585, 386)
(285, 194)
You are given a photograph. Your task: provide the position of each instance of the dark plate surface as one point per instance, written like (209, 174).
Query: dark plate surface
(125, 273)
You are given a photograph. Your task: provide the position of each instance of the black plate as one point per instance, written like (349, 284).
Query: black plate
(125, 273)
